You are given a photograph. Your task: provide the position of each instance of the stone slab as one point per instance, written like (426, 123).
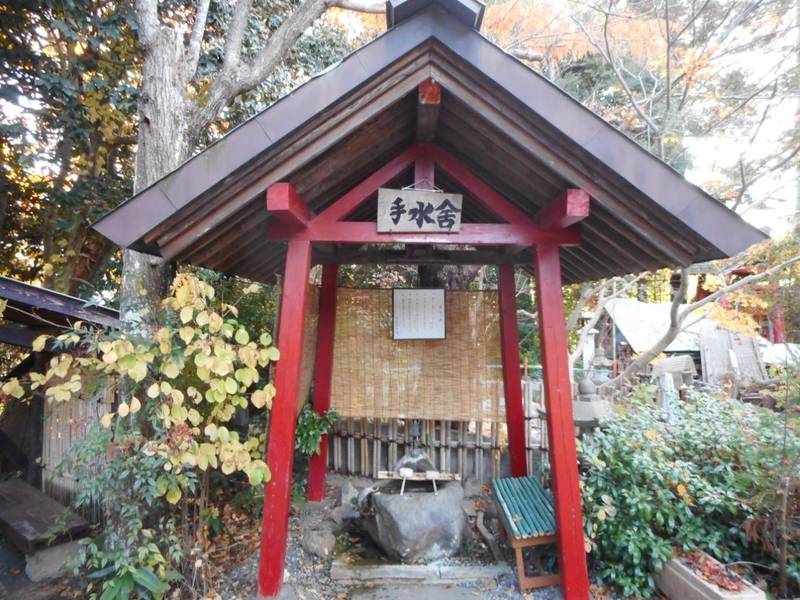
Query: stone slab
(415, 592)
(48, 563)
(408, 574)
(679, 582)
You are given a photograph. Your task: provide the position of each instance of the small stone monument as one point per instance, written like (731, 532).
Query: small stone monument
(589, 408)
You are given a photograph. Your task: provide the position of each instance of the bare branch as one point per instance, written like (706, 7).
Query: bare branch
(231, 54)
(743, 282)
(676, 319)
(196, 39)
(678, 316)
(523, 54)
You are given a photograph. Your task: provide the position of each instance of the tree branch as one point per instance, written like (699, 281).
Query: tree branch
(231, 54)
(678, 317)
(196, 39)
(524, 54)
(147, 20)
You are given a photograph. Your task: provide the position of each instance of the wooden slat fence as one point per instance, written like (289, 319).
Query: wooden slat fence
(64, 424)
(473, 449)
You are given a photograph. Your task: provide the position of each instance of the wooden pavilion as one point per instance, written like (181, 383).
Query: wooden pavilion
(546, 184)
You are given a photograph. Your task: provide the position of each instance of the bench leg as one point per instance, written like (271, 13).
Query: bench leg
(527, 582)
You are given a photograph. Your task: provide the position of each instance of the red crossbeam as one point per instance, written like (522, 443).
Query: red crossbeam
(565, 210)
(473, 234)
(286, 204)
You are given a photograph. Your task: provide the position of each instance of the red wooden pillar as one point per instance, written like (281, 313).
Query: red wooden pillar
(280, 451)
(560, 424)
(509, 339)
(323, 371)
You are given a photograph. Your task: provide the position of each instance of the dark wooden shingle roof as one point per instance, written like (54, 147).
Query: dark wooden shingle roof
(519, 132)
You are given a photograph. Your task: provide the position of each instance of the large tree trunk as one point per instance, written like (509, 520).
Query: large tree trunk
(163, 144)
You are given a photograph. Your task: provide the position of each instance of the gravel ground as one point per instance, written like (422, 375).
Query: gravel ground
(307, 577)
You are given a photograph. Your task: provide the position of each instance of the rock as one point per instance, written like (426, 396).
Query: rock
(347, 494)
(468, 506)
(416, 460)
(417, 526)
(48, 563)
(319, 542)
(343, 516)
(472, 487)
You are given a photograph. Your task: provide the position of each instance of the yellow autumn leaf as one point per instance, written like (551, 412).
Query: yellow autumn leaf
(105, 420)
(186, 314)
(39, 343)
(681, 489)
(194, 417)
(259, 398)
(13, 388)
(173, 494)
(123, 409)
(186, 333)
(136, 405)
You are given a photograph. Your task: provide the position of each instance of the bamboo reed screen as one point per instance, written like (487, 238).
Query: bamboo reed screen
(459, 378)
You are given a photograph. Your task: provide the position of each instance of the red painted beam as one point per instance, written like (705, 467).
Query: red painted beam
(285, 203)
(280, 451)
(565, 210)
(475, 234)
(509, 339)
(323, 374)
(345, 205)
(495, 202)
(560, 424)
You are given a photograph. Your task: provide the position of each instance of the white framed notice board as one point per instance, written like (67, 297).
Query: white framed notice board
(418, 314)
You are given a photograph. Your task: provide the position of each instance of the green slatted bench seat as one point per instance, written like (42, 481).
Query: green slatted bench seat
(526, 511)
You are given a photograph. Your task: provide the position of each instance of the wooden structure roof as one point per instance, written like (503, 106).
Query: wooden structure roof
(32, 311)
(513, 128)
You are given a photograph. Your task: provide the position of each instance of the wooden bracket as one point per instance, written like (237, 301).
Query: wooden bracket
(284, 203)
(568, 208)
(429, 102)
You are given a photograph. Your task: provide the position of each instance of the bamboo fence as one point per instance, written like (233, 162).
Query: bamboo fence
(473, 449)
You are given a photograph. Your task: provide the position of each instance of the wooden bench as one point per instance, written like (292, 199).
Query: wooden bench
(30, 520)
(527, 517)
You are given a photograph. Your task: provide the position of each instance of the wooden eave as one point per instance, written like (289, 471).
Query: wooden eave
(32, 310)
(513, 128)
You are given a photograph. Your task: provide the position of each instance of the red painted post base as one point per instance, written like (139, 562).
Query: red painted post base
(323, 373)
(283, 418)
(509, 336)
(560, 424)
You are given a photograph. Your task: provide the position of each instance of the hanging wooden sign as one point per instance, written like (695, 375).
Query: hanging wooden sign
(418, 210)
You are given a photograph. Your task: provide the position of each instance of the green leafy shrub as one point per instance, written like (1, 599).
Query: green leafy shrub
(148, 462)
(311, 427)
(651, 487)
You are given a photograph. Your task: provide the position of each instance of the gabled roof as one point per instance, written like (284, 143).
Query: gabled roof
(33, 310)
(516, 130)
